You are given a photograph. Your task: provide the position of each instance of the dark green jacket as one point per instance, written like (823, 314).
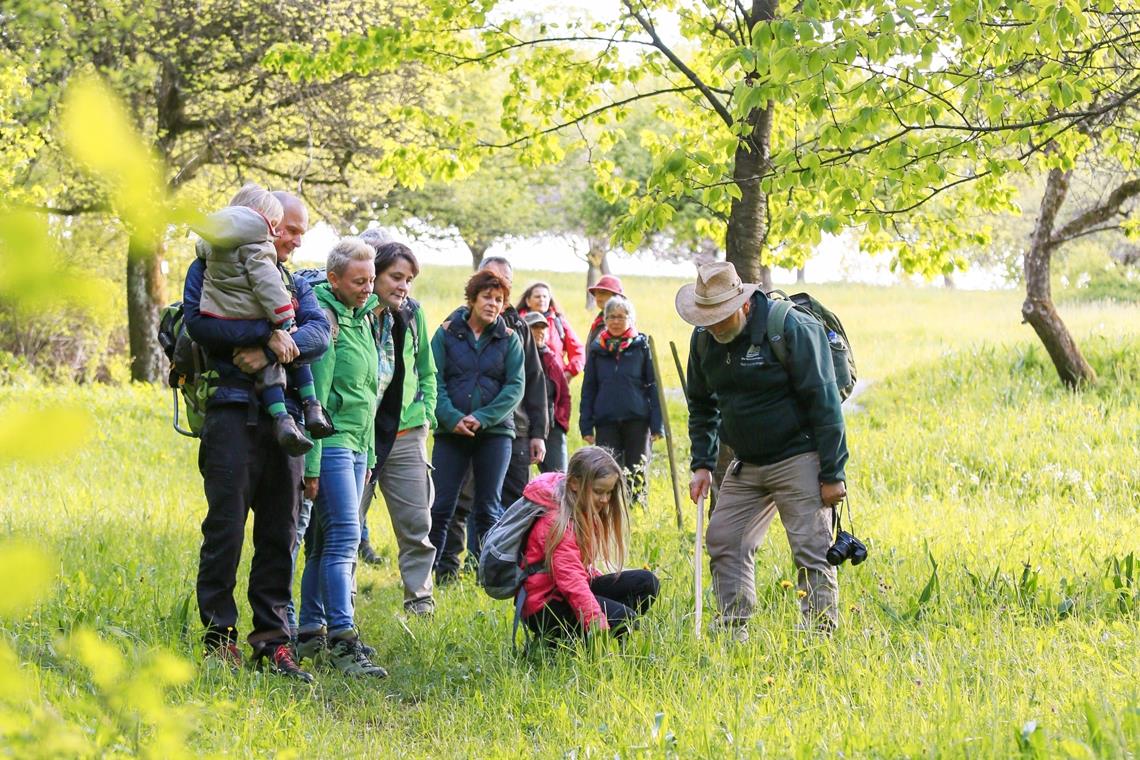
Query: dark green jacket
(740, 392)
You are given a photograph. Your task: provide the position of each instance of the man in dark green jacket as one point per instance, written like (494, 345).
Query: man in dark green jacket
(786, 428)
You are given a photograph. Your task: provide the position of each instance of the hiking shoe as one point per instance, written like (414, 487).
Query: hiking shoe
(317, 423)
(226, 654)
(312, 649)
(289, 436)
(369, 555)
(348, 656)
(420, 608)
(279, 660)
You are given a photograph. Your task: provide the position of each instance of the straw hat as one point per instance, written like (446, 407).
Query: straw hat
(717, 293)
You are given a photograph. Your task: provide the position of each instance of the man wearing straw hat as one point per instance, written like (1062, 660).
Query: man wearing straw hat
(785, 426)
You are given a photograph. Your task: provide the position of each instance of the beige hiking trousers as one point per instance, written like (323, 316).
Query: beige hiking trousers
(750, 496)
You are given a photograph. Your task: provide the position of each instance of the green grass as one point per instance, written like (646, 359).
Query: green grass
(997, 615)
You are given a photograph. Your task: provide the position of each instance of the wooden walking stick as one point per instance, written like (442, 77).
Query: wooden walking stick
(668, 433)
(698, 566)
(680, 369)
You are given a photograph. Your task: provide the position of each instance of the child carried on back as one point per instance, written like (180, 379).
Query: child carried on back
(243, 282)
(586, 524)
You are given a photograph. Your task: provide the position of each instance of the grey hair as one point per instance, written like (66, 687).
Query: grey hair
(261, 200)
(347, 250)
(620, 302)
(375, 237)
(496, 260)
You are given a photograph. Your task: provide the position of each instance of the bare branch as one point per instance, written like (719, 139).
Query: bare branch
(680, 65)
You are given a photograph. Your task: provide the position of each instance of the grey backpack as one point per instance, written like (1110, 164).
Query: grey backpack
(501, 572)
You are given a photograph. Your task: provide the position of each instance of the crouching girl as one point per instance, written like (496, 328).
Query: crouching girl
(586, 525)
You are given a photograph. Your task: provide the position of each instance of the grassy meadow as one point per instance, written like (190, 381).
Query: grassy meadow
(998, 614)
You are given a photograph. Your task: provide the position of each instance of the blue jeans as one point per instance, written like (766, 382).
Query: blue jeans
(303, 517)
(488, 456)
(330, 559)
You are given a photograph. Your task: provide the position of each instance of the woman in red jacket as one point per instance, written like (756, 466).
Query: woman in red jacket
(561, 339)
(586, 525)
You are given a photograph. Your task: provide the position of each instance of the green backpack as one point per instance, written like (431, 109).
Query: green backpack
(841, 357)
(189, 374)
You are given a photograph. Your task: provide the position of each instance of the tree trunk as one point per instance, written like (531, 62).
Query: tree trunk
(145, 296)
(1038, 309)
(747, 232)
(598, 261)
(478, 250)
(801, 276)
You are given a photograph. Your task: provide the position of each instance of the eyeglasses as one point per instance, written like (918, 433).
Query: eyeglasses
(617, 318)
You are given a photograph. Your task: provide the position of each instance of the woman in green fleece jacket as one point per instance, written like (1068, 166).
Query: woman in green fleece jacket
(347, 382)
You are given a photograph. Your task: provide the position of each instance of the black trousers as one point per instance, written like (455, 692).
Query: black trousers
(243, 468)
(629, 442)
(518, 475)
(622, 596)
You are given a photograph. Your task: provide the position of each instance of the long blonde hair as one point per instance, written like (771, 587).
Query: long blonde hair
(602, 537)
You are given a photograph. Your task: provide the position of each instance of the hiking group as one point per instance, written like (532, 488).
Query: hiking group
(321, 387)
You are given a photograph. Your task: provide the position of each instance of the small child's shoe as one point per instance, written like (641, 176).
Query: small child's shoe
(290, 437)
(317, 423)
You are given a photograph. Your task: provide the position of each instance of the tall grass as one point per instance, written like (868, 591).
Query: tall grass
(997, 614)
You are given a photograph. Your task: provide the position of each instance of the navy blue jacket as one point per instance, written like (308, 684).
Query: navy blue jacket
(619, 387)
(219, 337)
(484, 378)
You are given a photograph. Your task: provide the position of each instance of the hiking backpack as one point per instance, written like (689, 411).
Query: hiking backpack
(778, 307)
(841, 357)
(501, 571)
(189, 374)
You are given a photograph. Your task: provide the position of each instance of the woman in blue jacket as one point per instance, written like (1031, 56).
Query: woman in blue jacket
(479, 365)
(619, 408)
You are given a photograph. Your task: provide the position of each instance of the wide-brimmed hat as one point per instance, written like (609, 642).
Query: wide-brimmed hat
(607, 282)
(716, 294)
(535, 318)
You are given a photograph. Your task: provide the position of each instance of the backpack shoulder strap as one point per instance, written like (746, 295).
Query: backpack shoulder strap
(334, 324)
(702, 342)
(778, 309)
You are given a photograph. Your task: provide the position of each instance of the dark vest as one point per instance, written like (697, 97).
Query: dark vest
(467, 369)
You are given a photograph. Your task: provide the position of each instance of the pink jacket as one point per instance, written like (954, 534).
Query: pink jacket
(569, 350)
(569, 578)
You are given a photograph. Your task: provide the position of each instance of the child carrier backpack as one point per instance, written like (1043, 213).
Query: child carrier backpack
(501, 572)
(189, 375)
(841, 356)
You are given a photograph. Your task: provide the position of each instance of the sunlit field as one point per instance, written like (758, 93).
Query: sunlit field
(997, 615)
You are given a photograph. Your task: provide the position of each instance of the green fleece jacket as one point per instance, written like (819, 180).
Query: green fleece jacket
(419, 378)
(346, 380)
(740, 393)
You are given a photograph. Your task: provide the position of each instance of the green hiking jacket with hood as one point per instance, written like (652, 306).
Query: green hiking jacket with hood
(741, 393)
(346, 380)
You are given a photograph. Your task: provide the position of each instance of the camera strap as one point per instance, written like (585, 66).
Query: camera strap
(837, 516)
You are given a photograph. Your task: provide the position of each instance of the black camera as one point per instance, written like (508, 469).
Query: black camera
(846, 547)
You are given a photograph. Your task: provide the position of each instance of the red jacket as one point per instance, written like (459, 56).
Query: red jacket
(557, 387)
(568, 579)
(568, 349)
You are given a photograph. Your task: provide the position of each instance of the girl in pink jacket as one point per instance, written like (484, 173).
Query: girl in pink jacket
(586, 525)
